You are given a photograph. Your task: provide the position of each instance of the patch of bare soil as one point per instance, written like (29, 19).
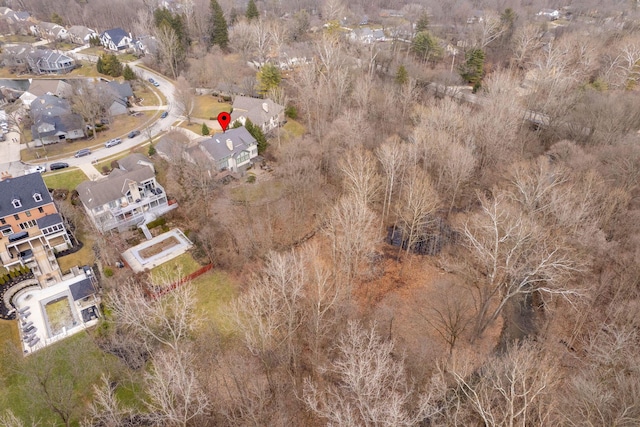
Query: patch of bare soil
(156, 248)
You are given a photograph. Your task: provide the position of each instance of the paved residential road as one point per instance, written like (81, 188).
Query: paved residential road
(10, 151)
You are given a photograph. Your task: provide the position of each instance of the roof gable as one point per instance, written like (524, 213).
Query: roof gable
(22, 188)
(218, 146)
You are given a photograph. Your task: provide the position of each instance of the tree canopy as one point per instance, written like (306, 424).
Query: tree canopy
(218, 33)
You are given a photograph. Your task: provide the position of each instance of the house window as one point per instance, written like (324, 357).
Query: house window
(3, 221)
(28, 213)
(40, 209)
(243, 157)
(27, 224)
(37, 197)
(16, 217)
(16, 203)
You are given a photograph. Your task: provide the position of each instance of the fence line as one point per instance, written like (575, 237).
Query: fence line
(182, 281)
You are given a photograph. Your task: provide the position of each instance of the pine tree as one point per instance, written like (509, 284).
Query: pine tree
(257, 133)
(218, 32)
(128, 73)
(426, 47)
(423, 23)
(473, 68)
(269, 77)
(205, 129)
(252, 11)
(402, 76)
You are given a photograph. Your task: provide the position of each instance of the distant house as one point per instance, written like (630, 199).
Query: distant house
(122, 95)
(50, 31)
(45, 61)
(59, 88)
(116, 39)
(262, 112)
(550, 14)
(172, 146)
(367, 35)
(31, 229)
(148, 45)
(232, 150)
(129, 196)
(80, 34)
(53, 121)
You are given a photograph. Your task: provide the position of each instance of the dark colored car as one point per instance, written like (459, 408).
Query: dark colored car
(134, 133)
(82, 153)
(164, 114)
(151, 80)
(59, 165)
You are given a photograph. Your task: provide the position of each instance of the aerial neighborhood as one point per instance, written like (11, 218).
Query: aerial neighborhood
(309, 213)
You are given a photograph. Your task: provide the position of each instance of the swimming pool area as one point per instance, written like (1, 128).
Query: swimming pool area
(157, 251)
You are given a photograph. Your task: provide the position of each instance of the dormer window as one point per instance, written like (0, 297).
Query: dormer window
(37, 197)
(16, 203)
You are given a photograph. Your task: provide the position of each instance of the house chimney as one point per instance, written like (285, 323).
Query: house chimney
(230, 144)
(265, 107)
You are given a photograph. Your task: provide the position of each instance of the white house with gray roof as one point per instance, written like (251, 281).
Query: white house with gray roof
(231, 150)
(262, 112)
(126, 198)
(79, 34)
(116, 39)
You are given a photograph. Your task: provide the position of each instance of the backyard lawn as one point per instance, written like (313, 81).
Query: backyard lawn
(84, 256)
(175, 269)
(69, 179)
(120, 127)
(260, 192)
(9, 333)
(207, 106)
(214, 290)
(292, 129)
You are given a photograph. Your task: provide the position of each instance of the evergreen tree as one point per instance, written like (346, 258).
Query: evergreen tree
(269, 77)
(110, 65)
(257, 133)
(205, 129)
(423, 23)
(426, 47)
(128, 73)
(473, 67)
(218, 32)
(402, 76)
(100, 66)
(252, 11)
(57, 19)
(152, 150)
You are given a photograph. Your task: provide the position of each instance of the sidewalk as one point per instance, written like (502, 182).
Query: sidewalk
(90, 171)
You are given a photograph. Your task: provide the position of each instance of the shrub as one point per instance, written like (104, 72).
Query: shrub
(251, 179)
(108, 272)
(291, 112)
(156, 223)
(205, 129)
(152, 150)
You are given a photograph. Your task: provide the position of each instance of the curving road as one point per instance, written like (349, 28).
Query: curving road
(10, 150)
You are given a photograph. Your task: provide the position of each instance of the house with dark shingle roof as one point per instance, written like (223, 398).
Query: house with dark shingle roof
(231, 150)
(116, 39)
(53, 121)
(125, 198)
(31, 228)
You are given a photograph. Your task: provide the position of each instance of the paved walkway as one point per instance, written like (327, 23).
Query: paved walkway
(89, 170)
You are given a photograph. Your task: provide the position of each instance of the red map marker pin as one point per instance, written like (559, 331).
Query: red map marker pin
(224, 119)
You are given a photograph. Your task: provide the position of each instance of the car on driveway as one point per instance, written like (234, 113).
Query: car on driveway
(156, 84)
(58, 165)
(134, 133)
(164, 114)
(82, 153)
(112, 142)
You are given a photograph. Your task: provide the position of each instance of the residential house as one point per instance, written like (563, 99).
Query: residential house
(550, 14)
(122, 95)
(53, 121)
(128, 197)
(79, 34)
(172, 146)
(231, 150)
(116, 39)
(49, 30)
(55, 87)
(367, 35)
(45, 61)
(262, 112)
(147, 45)
(31, 228)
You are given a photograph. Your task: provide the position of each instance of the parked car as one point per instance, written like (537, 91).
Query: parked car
(164, 114)
(134, 133)
(58, 165)
(151, 80)
(156, 84)
(112, 142)
(82, 153)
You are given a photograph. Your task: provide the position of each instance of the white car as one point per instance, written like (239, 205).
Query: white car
(112, 142)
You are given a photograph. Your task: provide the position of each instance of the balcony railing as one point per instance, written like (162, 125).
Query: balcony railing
(146, 197)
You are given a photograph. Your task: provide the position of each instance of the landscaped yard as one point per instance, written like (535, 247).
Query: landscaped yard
(292, 129)
(86, 69)
(9, 332)
(260, 192)
(84, 256)
(208, 107)
(120, 127)
(69, 179)
(175, 269)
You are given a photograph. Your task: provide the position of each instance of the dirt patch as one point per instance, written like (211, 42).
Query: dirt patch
(159, 247)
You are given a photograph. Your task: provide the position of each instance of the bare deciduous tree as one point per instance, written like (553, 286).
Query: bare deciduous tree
(361, 179)
(185, 98)
(106, 409)
(372, 388)
(391, 156)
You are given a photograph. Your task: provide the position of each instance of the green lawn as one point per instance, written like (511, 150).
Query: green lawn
(292, 129)
(68, 179)
(77, 353)
(86, 69)
(214, 290)
(207, 106)
(9, 333)
(173, 270)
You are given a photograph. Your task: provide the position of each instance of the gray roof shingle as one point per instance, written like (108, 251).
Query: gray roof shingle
(49, 220)
(97, 193)
(217, 146)
(22, 188)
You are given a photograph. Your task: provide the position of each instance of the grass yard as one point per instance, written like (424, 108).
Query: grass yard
(68, 179)
(86, 69)
(76, 364)
(260, 192)
(292, 129)
(207, 106)
(149, 95)
(214, 290)
(107, 162)
(84, 256)
(18, 38)
(120, 127)
(9, 333)
(175, 269)
(94, 50)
